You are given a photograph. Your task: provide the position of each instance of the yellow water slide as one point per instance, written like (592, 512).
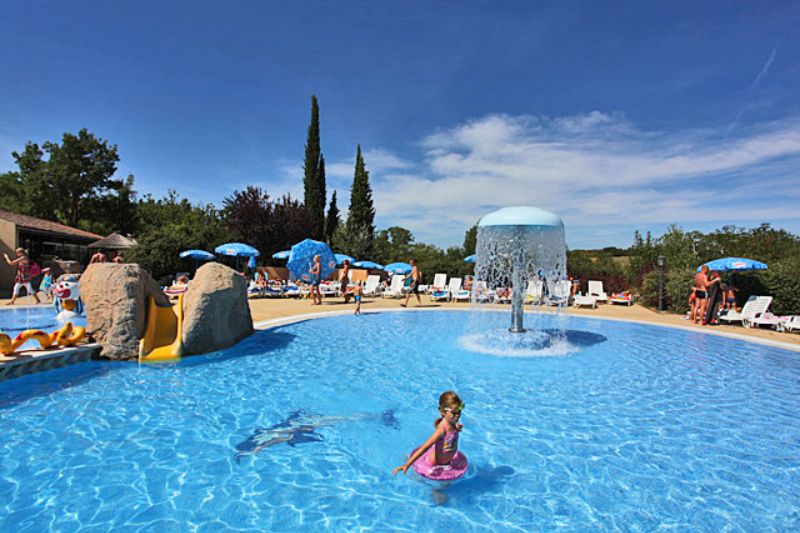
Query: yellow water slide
(162, 339)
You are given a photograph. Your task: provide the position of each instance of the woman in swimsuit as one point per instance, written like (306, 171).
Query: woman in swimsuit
(316, 279)
(23, 276)
(444, 440)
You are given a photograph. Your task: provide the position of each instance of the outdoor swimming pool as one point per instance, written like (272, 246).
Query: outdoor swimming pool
(14, 320)
(299, 428)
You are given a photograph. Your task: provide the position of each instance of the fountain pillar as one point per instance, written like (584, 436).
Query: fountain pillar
(517, 244)
(517, 295)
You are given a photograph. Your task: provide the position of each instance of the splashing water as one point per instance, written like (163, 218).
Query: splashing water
(522, 249)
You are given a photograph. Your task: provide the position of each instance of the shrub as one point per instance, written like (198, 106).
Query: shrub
(648, 294)
(782, 282)
(678, 285)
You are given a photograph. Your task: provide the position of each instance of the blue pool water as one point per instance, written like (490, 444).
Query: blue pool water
(298, 428)
(14, 320)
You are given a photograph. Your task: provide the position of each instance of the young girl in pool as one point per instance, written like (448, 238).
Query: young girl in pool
(445, 437)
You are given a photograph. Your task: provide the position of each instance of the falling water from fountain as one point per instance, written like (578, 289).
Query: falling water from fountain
(521, 248)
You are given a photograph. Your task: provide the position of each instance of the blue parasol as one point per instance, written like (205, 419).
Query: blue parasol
(341, 258)
(398, 268)
(470, 258)
(302, 258)
(282, 255)
(237, 249)
(370, 265)
(251, 263)
(730, 264)
(197, 255)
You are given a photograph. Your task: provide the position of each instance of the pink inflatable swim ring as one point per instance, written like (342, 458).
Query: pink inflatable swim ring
(454, 470)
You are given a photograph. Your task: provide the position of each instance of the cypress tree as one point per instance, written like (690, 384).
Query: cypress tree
(332, 220)
(313, 179)
(360, 226)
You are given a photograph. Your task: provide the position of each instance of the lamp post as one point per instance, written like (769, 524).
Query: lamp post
(660, 262)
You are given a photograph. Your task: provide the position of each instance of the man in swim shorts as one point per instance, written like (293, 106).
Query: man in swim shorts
(416, 278)
(700, 295)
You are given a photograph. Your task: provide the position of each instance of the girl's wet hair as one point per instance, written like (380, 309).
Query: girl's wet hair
(448, 400)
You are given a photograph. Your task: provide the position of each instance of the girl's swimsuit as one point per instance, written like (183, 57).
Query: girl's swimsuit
(447, 444)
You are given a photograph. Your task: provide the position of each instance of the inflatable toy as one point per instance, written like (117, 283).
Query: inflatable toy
(7, 345)
(449, 472)
(68, 335)
(67, 300)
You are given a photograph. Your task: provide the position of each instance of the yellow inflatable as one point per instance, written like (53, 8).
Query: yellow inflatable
(66, 336)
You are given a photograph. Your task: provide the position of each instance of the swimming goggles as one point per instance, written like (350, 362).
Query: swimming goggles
(456, 410)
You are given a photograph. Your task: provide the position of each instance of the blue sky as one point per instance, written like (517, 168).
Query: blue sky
(616, 116)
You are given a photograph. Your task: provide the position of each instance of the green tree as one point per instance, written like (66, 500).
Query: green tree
(170, 225)
(314, 175)
(332, 220)
(269, 226)
(393, 244)
(115, 211)
(67, 186)
(359, 232)
(471, 240)
(12, 192)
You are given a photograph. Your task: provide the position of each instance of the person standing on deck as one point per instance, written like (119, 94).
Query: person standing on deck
(23, 276)
(416, 278)
(344, 279)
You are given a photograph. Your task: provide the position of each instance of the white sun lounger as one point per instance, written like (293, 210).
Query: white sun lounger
(395, 290)
(372, 284)
(768, 319)
(581, 299)
(560, 293)
(461, 294)
(793, 324)
(438, 288)
(596, 290)
(482, 292)
(329, 289)
(453, 288)
(534, 293)
(754, 307)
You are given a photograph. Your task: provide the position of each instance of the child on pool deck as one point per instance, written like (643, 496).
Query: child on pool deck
(445, 437)
(358, 291)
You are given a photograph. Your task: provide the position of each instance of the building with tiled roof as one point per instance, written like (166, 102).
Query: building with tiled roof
(44, 240)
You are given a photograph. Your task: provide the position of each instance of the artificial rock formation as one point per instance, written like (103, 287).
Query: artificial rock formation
(215, 310)
(115, 298)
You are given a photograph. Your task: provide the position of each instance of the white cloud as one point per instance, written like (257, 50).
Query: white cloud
(376, 160)
(593, 168)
